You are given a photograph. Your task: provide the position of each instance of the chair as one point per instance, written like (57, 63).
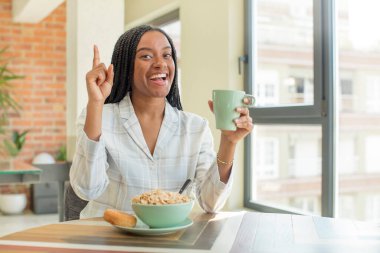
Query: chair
(73, 204)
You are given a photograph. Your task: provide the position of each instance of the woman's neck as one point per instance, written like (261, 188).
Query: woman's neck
(153, 107)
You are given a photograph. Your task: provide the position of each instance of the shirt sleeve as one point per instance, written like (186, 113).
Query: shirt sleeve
(211, 192)
(88, 175)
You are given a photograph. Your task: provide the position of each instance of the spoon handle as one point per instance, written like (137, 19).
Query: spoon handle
(184, 186)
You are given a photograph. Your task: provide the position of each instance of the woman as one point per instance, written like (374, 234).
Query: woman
(134, 137)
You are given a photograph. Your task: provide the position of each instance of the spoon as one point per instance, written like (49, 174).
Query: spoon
(185, 185)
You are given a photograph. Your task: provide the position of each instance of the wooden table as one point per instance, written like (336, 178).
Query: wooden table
(223, 232)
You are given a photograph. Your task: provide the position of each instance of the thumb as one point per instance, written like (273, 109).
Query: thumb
(211, 105)
(110, 74)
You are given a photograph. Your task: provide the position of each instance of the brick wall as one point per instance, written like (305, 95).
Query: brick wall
(38, 52)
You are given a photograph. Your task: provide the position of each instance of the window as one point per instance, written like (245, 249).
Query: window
(372, 158)
(346, 87)
(359, 125)
(288, 110)
(372, 94)
(267, 158)
(286, 163)
(315, 72)
(347, 149)
(346, 202)
(308, 204)
(284, 51)
(346, 90)
(268, 81)
(372, 207)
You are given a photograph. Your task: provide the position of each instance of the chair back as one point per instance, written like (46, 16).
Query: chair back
(73, 204)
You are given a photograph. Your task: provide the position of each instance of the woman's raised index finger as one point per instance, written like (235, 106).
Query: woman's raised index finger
(96, 60)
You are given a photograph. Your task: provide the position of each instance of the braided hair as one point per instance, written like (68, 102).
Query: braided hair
(123, 60)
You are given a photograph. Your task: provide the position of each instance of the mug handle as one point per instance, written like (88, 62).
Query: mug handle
(252, 99)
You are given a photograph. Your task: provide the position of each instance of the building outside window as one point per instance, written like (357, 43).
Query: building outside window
(267, 158)
(372, 207)
(294, 89)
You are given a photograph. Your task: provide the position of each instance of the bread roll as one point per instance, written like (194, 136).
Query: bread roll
(119, 218)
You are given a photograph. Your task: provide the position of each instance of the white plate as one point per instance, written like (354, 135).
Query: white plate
(143, 229)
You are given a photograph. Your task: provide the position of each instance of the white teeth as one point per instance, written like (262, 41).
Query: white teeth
(158, 76)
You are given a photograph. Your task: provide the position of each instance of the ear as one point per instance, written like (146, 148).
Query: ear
(211, 105)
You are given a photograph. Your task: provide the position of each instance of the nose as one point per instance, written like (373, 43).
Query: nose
(159, 63)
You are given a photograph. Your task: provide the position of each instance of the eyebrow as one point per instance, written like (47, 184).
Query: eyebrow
(149, 49)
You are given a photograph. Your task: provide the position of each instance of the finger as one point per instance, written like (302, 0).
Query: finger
(243, 119)
(245, 125)
(248, 101)
(101, 67)
(211, 105)
(101, 77)
(92, 76)
(243, 110)
(96, 60)
(110, 75)
(101, 71)
(246, 119)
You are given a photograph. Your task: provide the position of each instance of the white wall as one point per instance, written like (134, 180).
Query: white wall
(89, 22)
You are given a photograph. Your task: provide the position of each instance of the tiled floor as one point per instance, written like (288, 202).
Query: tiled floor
(13, 223)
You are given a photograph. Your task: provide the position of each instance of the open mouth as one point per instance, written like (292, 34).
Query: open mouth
(159, 77)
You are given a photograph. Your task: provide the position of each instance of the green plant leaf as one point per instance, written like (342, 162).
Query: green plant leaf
(62, 154)
(8, 104)
(12, 150)
(20, 141)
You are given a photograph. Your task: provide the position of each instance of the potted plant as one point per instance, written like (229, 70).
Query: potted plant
(9, 149)
(15, 200)
(61, 154)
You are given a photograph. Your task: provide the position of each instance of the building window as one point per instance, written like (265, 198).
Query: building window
(268, 81)
(307, 204)
(372, 208)
(372, 161)
(346, 87)
(266, 158)
(373, 94)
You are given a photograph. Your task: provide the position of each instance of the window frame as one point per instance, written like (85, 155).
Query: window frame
(322, 112)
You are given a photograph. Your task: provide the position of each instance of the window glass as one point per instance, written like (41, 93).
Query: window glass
(358, 158)
(284, 52)
(287, 166)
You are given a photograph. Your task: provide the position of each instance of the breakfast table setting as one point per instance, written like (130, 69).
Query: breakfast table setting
(238, 231)
(164, 221)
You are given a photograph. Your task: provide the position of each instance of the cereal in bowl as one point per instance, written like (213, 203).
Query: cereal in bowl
(159, 197)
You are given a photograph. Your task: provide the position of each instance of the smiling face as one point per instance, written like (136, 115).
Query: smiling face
(154, 68)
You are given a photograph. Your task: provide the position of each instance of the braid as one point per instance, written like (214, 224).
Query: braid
(123, 60)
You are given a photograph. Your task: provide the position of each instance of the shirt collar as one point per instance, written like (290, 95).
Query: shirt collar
(127, 110)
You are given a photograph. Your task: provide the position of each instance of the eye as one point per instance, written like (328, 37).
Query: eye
(146, 57)
(168, 56)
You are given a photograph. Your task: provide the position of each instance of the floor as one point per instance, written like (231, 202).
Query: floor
(13, 223)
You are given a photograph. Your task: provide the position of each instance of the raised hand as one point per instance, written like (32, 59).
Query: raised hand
(99, 80)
